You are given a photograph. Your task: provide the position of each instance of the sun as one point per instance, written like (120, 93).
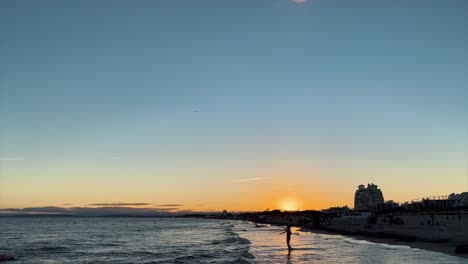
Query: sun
(289, 204)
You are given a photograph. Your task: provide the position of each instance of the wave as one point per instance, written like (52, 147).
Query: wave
(239, 246)
(383, 245)
(53, 248)
(393, 247)
(356, 241)
(242, 260)
(248, 255)
(232, 240)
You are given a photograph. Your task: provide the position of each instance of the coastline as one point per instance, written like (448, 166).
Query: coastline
(444, 234)
(391, 239)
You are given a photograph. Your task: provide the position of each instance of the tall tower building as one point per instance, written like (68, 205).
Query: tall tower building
(367, 199)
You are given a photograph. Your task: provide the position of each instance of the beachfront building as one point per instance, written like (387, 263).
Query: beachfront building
(459, 200)
(368, 199)
(439, 202)
(387, 206)
(344, 210)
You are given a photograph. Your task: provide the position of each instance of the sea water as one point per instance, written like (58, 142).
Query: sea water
(183, 240)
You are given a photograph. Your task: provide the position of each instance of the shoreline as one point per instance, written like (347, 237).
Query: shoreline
(437, 232)
(443, 247)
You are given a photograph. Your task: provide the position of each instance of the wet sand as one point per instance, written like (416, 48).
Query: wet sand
(439, 232)
(443, 237)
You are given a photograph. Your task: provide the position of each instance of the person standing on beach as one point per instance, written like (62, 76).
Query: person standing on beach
(288, 235)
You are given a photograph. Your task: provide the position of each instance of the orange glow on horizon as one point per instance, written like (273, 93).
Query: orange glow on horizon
(289, 204)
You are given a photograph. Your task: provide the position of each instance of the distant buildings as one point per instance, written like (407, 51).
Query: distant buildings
(387, 206)
(368, 199)
(438, 202)
(459, 200)
(344, 210)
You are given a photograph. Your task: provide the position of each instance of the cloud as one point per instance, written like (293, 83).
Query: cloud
(299, 1)
(91, 211)
(251, 179)
(119, 204)
(171, 205)
(41, 210)
(10, 159)
(119, 210)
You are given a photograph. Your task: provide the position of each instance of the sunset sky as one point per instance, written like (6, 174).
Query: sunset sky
(236, 105)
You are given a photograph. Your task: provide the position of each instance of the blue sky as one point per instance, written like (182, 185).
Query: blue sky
(206, 92)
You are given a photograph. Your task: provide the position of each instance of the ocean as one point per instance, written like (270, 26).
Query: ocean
(175, 240)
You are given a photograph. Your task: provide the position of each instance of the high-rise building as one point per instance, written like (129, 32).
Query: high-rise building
(367, 199)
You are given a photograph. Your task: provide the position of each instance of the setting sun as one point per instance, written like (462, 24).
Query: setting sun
(289, 204)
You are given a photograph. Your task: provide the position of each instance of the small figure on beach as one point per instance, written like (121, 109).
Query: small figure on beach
(288, 235)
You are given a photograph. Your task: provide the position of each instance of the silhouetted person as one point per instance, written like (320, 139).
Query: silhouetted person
(288, 235)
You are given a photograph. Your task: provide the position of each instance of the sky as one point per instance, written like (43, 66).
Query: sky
(236, 105)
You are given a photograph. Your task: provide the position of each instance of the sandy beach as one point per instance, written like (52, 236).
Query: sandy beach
(439, 232)
(442, 234)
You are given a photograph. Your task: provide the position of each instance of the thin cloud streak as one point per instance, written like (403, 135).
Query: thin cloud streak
(119, 204)
(10, 159)
(299, 1)
(251, 179)
(171, 205)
